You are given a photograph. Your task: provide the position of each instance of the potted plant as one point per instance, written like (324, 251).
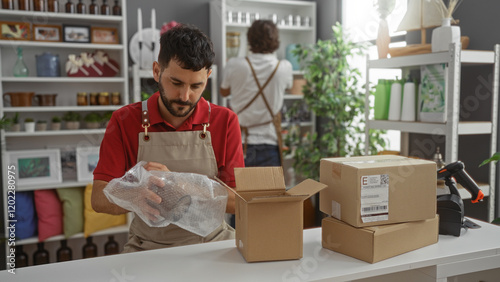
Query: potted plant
(41, 125)
(72, 120)
(56, 123)
(29, 125)
(16, 126)
(93, 120)
(334, 93)
(106, 117)
(5, 122)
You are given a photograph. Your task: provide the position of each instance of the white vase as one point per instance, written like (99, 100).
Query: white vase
(29, 126)
(444, 35)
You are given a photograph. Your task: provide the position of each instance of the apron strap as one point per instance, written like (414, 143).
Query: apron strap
(145, 119)
(275, 119)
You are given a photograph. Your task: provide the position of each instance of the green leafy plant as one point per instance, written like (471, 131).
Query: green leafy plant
(93, 117)
(5, 122)
(29, 120)
(493, 158)
(15, 119)
(335, 94)
(107, 116)
(41, 121)
(56, 119)
(71, 116)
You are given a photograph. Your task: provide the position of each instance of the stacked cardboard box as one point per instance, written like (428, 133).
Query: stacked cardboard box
(379, 206)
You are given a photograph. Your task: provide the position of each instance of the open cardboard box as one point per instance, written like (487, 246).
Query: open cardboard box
(269, 219)
(375, 190)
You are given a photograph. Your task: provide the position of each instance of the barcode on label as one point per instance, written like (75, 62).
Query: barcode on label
(374, 208)
(384, 179)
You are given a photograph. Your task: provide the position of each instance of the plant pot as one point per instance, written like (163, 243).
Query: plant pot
(29, 126)
(93, 125)
(41, 127)
(15, 127)
(55, 126)
(72, 125)
(20, 99)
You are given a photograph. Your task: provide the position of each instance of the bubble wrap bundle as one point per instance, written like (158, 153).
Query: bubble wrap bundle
(191, 201)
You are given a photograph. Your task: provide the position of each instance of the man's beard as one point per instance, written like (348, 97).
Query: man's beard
(169, 104)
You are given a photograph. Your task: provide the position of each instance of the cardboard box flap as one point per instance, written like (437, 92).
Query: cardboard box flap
(307, 188)
(276, 199)
(259, 178)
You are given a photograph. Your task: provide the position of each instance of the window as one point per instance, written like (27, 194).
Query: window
(360, 21)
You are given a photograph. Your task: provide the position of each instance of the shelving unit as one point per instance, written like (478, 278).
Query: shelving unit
(66, 89)
(288, 34)
(455, 59)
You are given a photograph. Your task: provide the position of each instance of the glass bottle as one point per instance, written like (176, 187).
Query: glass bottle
(21, 257)
(82, 99)
(81, 8)
(23, 5)
(39, 5)
(53, 6)
(89, 250)
(64, 253)
(117, 10)
(93, 8)
(69, 7)
(103, 99)
(20, 68)
(111, 247)
(41, 256)
(115, 98)
(8, 4)
(105, 9)
(93, 98)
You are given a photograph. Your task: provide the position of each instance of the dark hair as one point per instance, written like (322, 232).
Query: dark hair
(187, 45)
(263, 37)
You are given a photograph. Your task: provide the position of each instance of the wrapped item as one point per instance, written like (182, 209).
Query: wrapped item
(191, 201)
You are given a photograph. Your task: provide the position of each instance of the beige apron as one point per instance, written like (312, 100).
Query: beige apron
(185, 151)
(275, 118)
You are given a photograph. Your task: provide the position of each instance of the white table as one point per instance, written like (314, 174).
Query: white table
(476, 250)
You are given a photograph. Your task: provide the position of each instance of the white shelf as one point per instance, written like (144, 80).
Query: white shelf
(294, 97)
(64, 184)
(464, 128)
(60, 109)
(302, 123)
(63, 79)
(68, 45)
(13, 14)
(55, 132)
(467, 57)
(113, 230)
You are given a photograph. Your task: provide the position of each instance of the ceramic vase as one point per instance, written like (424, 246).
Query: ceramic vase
(383, 39)
(29, 126)
(444, 35)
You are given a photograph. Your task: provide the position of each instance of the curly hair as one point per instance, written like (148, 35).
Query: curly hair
(263, 37)
(188, 45)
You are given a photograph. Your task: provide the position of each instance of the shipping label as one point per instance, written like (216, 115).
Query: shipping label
(374, 198)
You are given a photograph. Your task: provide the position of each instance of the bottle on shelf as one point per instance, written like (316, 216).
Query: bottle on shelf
(81, 8)
(23, 5)
(89, 250)
(93, 8)
(69, 7)
(8, 4)
(20, 68)
(41, 255)
(111, 246)
(117, 10)
(39, 5)
(53, 6)
(104, 99)
(105, 9)
(64, 253)
(115, 98)
(21, 257)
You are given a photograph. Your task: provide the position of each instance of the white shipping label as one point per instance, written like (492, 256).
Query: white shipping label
(374, 198)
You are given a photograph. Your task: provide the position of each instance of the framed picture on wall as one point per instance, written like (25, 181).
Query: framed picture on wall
(51, 33)
(86, 161)
(15, 31)
(35, 166)
(104, 35)
(76, 33)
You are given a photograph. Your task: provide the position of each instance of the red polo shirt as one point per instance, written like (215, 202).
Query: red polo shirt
(118, 152)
